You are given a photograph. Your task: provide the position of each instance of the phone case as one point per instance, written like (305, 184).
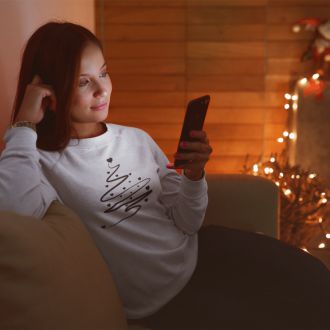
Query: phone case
(193, 121)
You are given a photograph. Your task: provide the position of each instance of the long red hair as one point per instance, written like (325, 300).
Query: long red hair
(54, 52)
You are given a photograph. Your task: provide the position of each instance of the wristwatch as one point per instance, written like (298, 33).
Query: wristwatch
(25, 124)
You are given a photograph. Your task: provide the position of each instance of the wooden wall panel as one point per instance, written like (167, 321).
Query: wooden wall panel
(162, 53)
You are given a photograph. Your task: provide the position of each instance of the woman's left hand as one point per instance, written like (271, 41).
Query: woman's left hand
(197, 155)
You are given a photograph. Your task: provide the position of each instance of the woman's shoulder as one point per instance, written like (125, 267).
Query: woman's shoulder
(49, 158)
(123, 130)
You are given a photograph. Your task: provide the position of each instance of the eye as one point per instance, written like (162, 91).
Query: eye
(83, 82)
(104, 74)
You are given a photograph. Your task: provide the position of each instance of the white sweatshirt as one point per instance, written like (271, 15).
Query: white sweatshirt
(142, 216)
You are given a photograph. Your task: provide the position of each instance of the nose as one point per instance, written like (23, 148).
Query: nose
(100, 91)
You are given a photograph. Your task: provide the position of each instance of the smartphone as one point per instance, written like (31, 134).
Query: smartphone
(193, 121)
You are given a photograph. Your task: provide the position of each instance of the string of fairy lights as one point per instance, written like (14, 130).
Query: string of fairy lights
(303, 195)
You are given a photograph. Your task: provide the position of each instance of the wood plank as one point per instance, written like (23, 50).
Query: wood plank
(227, 3)
(291, 66)
(145, 50)
(225, 83)
(151, 83)
(144, 99)
(288, 3)
(274, 131)
(226, 15)
(144, 3)
(276, 116)
(226, 32)
(241, 99)
(280, 83)
(286, 49)
(290, 14)
(146, 66)
(277, 32)
(226, 50)
(171, 115)
(143, 15)
(230, 164)
(220, 147)
(215, 131)
(225, 67)
(145, 32)
(154, 115)
(272, 147)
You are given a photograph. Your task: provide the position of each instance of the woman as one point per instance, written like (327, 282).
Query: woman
(143, 216)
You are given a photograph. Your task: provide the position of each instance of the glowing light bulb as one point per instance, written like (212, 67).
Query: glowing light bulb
(287, 106)
(295, 97)
(280, 140)
(287, 192)
(323, 201)
(286, 133)
(292, 136)
(303, 81)
(281, 175)
(272, 159)
(297, 176)
(255, 168)
(295, 106)
(327, 235)
(321, 246)
(287, 96)
(312, 176)
(277, 183)
(267, 170)
(296, 28)
(292, 176)
(320, 219)
(316, 76)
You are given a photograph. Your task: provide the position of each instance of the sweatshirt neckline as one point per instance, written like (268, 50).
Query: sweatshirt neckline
(91, 142)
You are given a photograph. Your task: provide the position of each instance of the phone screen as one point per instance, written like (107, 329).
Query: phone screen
(193, 121)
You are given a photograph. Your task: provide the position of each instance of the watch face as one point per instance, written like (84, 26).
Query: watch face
(24, 124)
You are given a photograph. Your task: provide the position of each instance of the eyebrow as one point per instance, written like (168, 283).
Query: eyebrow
(85, 74)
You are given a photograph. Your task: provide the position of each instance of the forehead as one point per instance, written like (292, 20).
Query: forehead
(91, 59)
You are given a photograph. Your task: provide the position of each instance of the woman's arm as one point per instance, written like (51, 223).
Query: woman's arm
(185, 198)
(23, 187)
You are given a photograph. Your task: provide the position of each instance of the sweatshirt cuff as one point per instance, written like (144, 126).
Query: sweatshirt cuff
(192, 188)
(20, 137)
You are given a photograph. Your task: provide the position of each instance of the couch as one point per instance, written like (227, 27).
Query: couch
(52, 276)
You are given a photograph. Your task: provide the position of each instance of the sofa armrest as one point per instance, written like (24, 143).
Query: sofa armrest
(244, 202)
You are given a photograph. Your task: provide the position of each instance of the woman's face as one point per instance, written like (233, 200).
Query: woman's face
(91, 98)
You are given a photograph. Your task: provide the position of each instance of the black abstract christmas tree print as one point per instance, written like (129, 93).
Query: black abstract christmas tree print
(123, 192)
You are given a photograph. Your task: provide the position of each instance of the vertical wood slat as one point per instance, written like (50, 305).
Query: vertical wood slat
(241, 52)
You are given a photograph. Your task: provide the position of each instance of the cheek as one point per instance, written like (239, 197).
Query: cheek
(79, 101)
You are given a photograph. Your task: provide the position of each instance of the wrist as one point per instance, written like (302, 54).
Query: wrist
(194, 175)
(24, 123)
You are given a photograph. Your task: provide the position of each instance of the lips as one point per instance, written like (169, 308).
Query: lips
(99, 107)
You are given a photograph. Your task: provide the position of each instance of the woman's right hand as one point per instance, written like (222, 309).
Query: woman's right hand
(37, 98)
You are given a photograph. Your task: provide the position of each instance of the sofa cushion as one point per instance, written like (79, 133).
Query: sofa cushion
(52, 276)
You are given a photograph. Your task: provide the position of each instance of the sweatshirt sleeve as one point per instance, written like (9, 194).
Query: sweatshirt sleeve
(185, 200)
(23, 187)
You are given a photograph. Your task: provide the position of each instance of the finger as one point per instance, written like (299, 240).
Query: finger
(36, 80)
(192, 156)
(200, 135)
(196, 146)
(52, 98)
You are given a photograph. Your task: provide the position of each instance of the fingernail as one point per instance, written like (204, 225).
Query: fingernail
(169, 165)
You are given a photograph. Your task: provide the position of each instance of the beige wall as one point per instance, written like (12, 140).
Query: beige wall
(18, 20)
